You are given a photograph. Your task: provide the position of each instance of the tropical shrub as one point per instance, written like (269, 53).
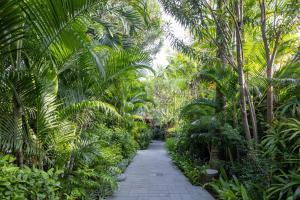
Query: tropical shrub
(171, 144)
(195, 172)
(71, 84)
(89, 183)
(233, 91)
(230, 189)
(285, 186)
(142, 134)
(125, 140)
(95, 172)
(26, 183)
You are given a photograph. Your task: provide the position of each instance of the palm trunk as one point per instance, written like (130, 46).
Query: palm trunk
(252, 115)
(269, 57)
(220, 98)
(214, 153)
(17, 120)
(270, 99)
(243, 103)
(17, 108)
(71, 163)
(235, 115)
(240, 65)
(229, 154)
(269, 65)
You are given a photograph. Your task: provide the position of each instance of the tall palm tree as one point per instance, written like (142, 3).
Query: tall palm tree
(53, 54)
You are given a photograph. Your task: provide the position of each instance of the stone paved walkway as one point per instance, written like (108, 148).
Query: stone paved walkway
(152, 176)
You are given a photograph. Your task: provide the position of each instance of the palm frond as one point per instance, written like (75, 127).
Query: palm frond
(192, 108)
(77, 107)
(59, 23)
(120, 62)
(11, 26)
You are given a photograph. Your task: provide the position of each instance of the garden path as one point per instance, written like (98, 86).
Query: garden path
(152, 176)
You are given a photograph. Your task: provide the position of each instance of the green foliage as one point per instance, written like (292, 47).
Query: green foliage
(282, 142)
(194, 172)
(171, 144)
(142, 134)
(26, 183)
(206, 114)
(285, 186)
(70, 83)
(282, 145)
(125, 141)
(74, 95)
(230, 189)
(89, 183)
(97, 163)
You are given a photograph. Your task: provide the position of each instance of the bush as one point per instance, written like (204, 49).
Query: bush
(89, 183)
(125, 141)
(285, 186)
(229, 189)
(97, 163)
(118, 137)
(194, 172)
(142, 134)
(25, 183)
(171, 144)
(91, 167)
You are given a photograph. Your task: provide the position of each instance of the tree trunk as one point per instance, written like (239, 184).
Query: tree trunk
(268, 61)
(220, 98)
(270, 98)
(243, 103)
(240, 65)
(214, 153)
(252, 115)
(18, 123)
(235, 115)
(269, 57)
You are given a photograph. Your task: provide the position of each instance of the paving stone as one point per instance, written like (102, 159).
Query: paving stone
(152, 176)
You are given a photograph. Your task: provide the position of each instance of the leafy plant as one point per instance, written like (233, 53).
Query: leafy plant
(70, 83)
(229, 189)
(26, 183)
(195, 173)
(285, 186)
(142, 134)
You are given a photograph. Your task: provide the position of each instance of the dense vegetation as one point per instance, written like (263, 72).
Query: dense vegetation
(230, 98)
(72, 97)
(78, 92)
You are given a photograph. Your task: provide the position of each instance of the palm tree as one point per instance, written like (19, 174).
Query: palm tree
(52, 58)
(280, 18)
(197, 16)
